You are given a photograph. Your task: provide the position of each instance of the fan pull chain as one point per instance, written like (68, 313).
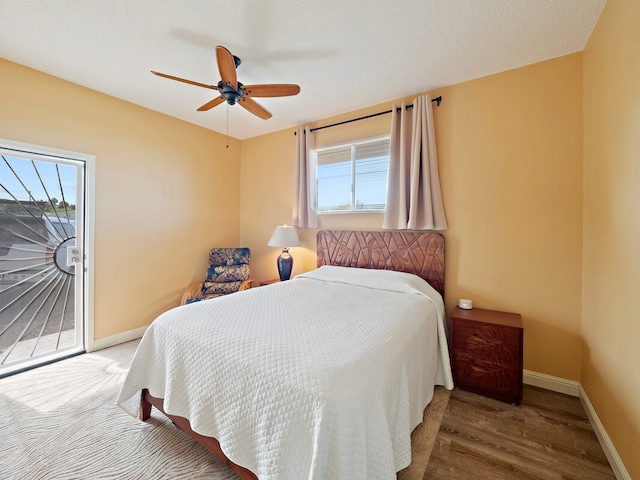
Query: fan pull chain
(227, 125)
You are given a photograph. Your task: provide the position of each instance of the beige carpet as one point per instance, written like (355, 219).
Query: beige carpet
(60, 421)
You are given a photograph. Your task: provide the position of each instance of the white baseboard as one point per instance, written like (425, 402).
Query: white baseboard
(619, 470)
(116, 339)
(555, 384)
(575, 389)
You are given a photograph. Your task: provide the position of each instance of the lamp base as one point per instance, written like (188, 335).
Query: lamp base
(285, 264)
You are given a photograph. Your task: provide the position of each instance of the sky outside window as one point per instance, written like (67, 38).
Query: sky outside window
(26, 176)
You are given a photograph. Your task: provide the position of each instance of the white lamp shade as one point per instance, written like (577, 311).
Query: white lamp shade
(284, 236)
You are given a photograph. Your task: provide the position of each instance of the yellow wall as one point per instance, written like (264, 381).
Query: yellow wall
(160, 183)
(510, 156)
(611, 323)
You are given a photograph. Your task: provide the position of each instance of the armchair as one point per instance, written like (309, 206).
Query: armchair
(228, 272)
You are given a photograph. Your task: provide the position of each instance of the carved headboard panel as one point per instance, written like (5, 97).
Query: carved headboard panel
(420, 253)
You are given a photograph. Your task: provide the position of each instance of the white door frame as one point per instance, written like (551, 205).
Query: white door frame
(89, 222)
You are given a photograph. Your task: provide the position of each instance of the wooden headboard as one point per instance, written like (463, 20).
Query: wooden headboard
(420, 253)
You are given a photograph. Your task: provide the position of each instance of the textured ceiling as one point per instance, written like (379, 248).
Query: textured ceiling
(344, 55)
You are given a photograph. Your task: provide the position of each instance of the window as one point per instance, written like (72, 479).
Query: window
(352, 177)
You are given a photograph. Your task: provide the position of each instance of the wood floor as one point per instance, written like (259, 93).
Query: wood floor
(547, 437)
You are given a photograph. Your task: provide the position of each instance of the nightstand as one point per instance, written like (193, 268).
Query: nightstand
(486, 352)
(269, 282)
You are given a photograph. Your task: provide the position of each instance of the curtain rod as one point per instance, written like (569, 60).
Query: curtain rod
(438, 100)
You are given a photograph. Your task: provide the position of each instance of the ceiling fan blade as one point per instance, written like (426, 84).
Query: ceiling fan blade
(271, 90)
(209, 105)
(227, 67)
(184, 80)
(254, 107)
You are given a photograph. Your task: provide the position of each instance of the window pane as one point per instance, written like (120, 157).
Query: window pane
(334, 186)
(334, 155)
(376, 148)
(372, 164)
(371, 183)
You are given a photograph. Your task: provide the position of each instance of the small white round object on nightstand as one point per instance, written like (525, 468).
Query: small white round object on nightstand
(465, 304)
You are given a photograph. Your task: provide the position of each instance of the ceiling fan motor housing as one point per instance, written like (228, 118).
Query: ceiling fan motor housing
(229, 94)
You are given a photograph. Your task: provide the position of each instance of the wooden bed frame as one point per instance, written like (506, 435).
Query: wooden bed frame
(210, 443)
(420, 253)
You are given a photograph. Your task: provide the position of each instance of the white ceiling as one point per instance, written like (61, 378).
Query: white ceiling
(344, 54)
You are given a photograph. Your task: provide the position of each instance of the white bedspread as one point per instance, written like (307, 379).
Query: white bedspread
(321, 377)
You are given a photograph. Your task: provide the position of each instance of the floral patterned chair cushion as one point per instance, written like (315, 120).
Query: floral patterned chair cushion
(228, 273)
(229, 256)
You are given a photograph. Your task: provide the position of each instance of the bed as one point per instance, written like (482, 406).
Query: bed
(321, 377)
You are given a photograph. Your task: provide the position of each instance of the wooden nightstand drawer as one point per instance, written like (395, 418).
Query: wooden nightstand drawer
(486, 352)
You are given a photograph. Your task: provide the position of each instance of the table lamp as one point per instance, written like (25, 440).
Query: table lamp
(284, 236)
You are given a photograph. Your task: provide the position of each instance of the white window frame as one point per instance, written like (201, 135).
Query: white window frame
(314, 153)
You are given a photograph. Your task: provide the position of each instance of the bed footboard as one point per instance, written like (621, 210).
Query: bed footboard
(210, 443)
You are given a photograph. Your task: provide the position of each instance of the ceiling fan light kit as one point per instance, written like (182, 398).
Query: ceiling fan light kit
(232, 91)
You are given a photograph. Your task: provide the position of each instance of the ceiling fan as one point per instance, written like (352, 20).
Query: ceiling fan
(232, 91)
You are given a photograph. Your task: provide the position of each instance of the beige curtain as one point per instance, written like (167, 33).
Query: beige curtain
(304, 214)
(414, 198)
